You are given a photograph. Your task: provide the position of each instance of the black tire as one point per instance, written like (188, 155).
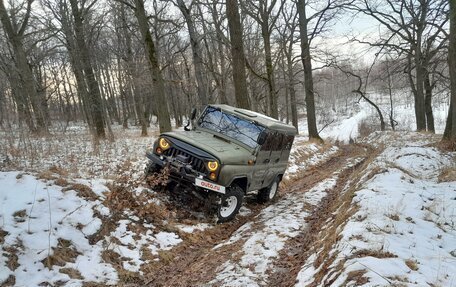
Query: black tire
(269, 193)
(230, 204)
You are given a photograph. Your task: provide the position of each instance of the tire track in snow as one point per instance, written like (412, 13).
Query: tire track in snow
(242, 251)
(279, 223)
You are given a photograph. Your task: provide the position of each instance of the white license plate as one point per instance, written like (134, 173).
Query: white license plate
(209, 185)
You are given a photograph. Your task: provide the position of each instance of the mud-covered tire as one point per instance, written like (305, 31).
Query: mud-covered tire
(269, 193)
(230, 204)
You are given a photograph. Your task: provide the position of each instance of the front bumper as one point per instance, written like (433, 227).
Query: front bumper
(183, 173)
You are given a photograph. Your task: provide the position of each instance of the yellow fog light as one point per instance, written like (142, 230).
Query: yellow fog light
(163, 143)
(213, 176)
(212, 165)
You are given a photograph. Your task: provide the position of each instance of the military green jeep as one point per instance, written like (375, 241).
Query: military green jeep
(228, 153)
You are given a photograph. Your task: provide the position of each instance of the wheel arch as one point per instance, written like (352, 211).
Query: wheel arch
(241, 181)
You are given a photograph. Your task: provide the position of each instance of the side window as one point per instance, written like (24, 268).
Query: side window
(277, 142)
(268, 144)
(287, 142)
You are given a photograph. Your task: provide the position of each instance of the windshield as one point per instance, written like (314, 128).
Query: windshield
(230, 125)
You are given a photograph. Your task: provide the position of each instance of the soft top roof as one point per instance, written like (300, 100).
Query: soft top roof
(263, 120)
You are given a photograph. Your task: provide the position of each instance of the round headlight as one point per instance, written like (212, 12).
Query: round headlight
(212, 165)
(163, 143)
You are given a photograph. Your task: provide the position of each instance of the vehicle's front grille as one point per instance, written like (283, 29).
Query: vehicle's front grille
(196, 163)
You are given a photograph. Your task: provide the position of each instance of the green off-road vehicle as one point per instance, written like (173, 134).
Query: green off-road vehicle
(228, 153)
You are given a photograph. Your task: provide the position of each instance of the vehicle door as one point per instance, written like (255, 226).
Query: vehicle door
(262, 162)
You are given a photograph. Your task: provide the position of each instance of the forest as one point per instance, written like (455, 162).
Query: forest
(143, 63)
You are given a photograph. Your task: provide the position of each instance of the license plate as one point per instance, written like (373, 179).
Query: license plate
(209, 185)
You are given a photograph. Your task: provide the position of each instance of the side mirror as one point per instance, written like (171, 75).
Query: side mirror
(193, 115)
(262, 138)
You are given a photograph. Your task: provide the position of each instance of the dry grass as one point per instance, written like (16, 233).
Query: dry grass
(72, 273)
(447, 174)
(111, 257)
(61, 182)
(357, 277)
(83, 191)
(19, 216)
(47, 175)
(10, 281)
(12, 258)
(375, 171)
(3, 234)
(58, 170)
(108, 224)
(61, 254)
(93, 284)
(394, 217)
(446, 145)
(121, 198)
(125, 276)
(412, 264)
(373, 253)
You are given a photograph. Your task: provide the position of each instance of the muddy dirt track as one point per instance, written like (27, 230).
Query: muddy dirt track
(196, 262)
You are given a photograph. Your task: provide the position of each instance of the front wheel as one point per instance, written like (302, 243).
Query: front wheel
(230, 204)
(269, 193)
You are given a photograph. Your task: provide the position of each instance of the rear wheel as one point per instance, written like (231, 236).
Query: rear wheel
(230, 204)
(269, 193)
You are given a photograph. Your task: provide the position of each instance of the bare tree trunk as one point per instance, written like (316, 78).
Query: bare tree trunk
(428, 104)
(390, 92)
(237, 54)
(307, 64)
(420, 111)
(293, 104)
(27, 88)
(450, 128)
(272, 97)
(196, 52)
(96, 104)
(157, 78)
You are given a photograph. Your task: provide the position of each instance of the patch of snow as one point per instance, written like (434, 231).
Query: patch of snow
(403, 211)
(48, 215)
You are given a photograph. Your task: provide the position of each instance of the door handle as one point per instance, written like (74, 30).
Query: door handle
(266, 160)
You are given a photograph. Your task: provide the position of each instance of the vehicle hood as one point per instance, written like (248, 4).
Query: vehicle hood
(226, 152)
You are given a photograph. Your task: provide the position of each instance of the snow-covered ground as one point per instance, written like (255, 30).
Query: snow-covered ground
(403, 233)
(46, 230)
(58, 223)
(281, 221)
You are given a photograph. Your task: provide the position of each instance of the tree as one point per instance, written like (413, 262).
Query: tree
(450, 128)
(263, 13)
(306, 39)
(361, 89)
(237, 54)
(196, 51)
(410, 26)
(23, 83)
(96, 103)
(154, 67)
(288, 39)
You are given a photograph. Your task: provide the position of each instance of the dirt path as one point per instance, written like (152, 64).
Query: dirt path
(250, 250)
